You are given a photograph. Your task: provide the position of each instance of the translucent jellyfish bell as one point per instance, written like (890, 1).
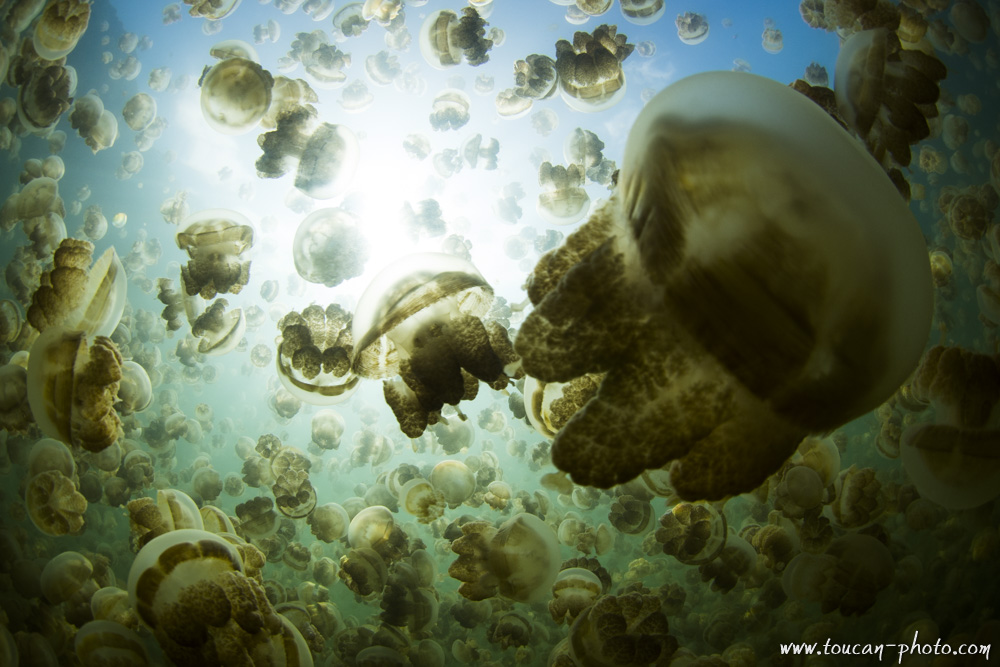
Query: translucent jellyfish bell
(643, 12)
(590, 69)
(60, 27)
(767, 386)
(446, 39)
(215, 240)
(314, 355)
(329, 247)
(235, 95)
(139, 111)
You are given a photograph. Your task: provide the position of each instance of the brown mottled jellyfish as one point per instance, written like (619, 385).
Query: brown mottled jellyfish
(733, 316)
(447, 39)
(590, 68)
(423, 319)
(324, 156)
(215, 240)
(45, 96)
(955, 460)
(314, 355)
(886, 93)
(235, 95)
(72, 387)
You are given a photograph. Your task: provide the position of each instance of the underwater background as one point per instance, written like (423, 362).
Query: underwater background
(854, 547)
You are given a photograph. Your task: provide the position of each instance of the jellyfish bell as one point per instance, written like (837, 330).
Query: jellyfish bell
(139, 111)
(815, 377)
(643, 12)
(235, 95)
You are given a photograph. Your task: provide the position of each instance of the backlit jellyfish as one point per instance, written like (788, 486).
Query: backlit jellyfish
(544, 121)
(314, 355)
(970, 20)
(235, 95)
(215, 240)
(574, 589)
(755, 411)
(519, 560)
(447, 40)
(264, 32)
(421, 319)
(772, 40)
(318, 10)
(45, 96)
(450, 110)
(219, 330)
(128, 42)
(847, 576)
(382, 68)
(73, 296)
(590, 68)
(424, 219)
(417, 146)
(643, 12)
(816, 75)
(645, 48)
(131, 165)
(563, 201)
(875, 74)
(324, 156)
(593, 7)
(60, 27)
(355, 97)
(212, 9)
(72, 386)
(323, 62)
(327, 429)
(128, 69)
(139, 111)
(480, 154)
(952, 460)
(96, 125)
(692, 28)
(159, 79)
(329, 247)
(349, 20)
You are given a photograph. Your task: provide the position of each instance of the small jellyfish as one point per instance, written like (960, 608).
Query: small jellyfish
(771, 40)
(235, 94)
(563, 200)
(139, 111)
(692, 28)
(450, 110)
(329, 247)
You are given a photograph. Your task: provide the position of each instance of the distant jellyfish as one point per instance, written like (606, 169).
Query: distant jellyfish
(593, 7)
(159, 79)
(643, 12)
(329, 247)
(544, 121)
(692, 28)
(213, 10)
(349, 20)
(590, 68)
(382, 68)
(450, 110)
(265, 32)
(646, 48)
(215, 240)
(563, 201)
(127, 42)
(235, 94)
(970, 20)
(447, 40)
(139, 111)
(816, 75)
(95, 225)
(509, 104)
(772, 40)
(355, 97)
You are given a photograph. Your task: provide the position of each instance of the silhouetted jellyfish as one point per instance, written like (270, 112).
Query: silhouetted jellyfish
(420, 319)
(314, 355)
(593, 7)
(235, 95)
(349, 20)
(219, 330)
(816, 75)
(450, 110)
(692, 28)
(60, 27)
(215, 240)
(324, 63)
(324, 156)
(563, 201)
(447, 40)
(590, 68)
(76, 297)
(643, 12)
(760, 391)
(874, 74)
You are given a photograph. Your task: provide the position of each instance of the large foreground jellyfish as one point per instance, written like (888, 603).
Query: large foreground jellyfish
(423, 319)
(754, 278)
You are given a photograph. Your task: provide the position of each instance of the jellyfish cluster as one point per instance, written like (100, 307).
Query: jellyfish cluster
(386, 333)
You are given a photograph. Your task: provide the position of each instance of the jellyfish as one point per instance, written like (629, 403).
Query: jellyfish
(139, 111)
(510, 105)
(952, 460)
(213, 10)
(519, 560)
(60, 27)
(772, 40)
(450, 110)
(692, 28)
(874, 74)
(314, 355)
(215, 240)
(324, 156)
(55, 505)
(643, 12)
(329, 522)
(219, 330)
(324, 63)
(421, 319)
(135, 391)
(447, 40)
(45, 96)
(590, 68)
(727, 373)
(264, 32)
(235, 95)
(563, 201)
